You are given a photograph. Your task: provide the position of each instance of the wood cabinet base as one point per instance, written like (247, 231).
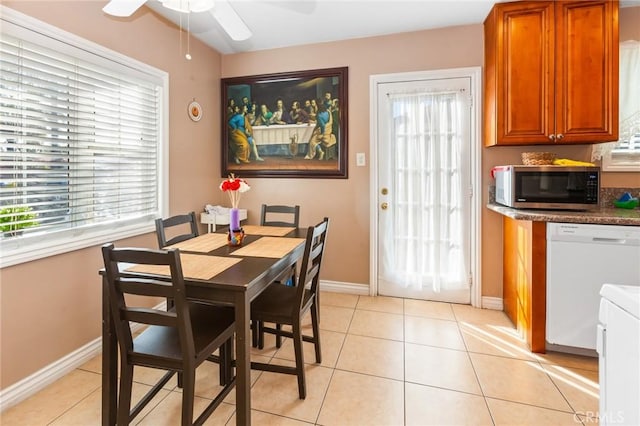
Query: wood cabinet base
(524, 278)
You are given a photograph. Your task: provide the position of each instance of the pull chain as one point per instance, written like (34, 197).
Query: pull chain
(180, 46)
(188, 55)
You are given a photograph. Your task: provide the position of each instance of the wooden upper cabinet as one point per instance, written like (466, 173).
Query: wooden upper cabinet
(551, 72)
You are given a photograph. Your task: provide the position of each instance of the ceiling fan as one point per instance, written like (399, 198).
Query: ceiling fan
(221, 10)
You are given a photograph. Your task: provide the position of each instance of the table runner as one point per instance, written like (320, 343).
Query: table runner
(274, 231)
(193, 266)
(202, 244)
(269, 247)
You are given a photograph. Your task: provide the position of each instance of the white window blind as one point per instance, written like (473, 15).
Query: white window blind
(624, 155)
(80, 142)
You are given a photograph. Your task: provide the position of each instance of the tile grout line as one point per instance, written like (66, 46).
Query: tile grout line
(77, 403)
(335, 366)
(573, 410)
(404, 360)
(475, 373)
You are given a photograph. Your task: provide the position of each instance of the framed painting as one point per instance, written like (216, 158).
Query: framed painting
(291, 124)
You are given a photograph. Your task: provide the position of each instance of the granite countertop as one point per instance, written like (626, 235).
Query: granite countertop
(601, 216)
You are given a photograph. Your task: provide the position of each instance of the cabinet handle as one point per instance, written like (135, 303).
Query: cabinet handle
(552, 137)
(560, 136)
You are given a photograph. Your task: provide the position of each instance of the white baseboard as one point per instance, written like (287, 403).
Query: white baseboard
(28, 386)
(342, 287)
(42, 378)
(492, 303)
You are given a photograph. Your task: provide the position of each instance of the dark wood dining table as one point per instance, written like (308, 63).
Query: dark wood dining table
(237, 285)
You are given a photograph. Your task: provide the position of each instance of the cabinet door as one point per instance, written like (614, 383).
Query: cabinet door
(586, 71)
(519, 63)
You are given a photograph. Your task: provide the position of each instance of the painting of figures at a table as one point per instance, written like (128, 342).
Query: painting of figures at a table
(287, 124)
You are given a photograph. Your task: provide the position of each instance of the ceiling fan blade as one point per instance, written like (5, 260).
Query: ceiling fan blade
(230, 21)
(122, 7)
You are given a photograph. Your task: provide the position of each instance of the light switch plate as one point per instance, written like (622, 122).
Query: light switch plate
(360, 159)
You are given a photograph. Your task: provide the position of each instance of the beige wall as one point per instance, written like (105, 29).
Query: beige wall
(630, 23)
(51, 307)
(346, 202)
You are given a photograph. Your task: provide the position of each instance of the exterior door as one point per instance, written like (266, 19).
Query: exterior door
(424, 219)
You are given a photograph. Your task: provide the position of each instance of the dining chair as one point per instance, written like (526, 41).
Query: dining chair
(278, 215)
(287, 305)
(273, 215)
(163, 225)
(178, 340)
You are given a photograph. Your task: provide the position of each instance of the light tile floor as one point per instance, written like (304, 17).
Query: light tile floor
(386, 361)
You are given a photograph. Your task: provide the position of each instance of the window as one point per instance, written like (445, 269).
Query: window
(624, 155)
(81, 142)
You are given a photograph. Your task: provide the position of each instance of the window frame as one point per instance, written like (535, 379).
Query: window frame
(631, 159)
(610, 164)
(29, 247)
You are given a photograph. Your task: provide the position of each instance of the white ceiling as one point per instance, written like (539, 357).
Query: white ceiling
(281, 23)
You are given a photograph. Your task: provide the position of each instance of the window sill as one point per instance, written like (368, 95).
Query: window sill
(19, 250)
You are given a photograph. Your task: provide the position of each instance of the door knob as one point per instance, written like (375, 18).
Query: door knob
(384, 206)
(560, 136)
(552, 137)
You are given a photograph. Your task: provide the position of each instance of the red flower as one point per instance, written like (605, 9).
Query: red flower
(234, 187)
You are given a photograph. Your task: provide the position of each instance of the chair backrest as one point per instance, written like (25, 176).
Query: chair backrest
(126, 311)
(278, 212)
(162, 226)
(312, 259)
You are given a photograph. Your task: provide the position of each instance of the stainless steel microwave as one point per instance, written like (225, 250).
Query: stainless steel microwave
(548, 187)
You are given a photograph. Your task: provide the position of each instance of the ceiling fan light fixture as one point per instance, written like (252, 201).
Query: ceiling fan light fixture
(186, 6)
(122, 8)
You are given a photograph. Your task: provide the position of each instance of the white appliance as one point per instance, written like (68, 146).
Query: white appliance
(619, 350)
(580, 258)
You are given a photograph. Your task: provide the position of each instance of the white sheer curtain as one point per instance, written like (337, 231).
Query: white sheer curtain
(629, 98)
(428, 227)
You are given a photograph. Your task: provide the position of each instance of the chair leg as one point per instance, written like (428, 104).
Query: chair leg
(222, 364)
(188, 395)
(230, 361)
(278, 336)
(225, 366)
(124, 403)
(260, 335)
(254, 333)
(297, 346)
(315, 319)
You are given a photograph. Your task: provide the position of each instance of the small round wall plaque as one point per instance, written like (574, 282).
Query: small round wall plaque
(195, 111)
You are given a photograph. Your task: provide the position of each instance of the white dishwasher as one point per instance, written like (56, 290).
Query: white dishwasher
(580, 259)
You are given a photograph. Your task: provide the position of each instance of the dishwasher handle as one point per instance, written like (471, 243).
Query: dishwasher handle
(620, 241)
